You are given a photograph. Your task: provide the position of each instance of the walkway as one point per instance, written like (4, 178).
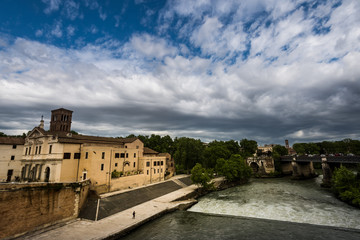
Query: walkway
(122, 221)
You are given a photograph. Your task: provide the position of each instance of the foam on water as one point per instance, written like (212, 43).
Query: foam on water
(282, 199)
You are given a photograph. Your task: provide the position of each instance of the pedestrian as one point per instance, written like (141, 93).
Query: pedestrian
(133, 214)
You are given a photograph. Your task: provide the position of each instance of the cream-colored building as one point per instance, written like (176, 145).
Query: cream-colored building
(110, 163)
(11, 150)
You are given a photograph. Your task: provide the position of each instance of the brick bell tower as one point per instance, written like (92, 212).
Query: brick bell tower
(60, 120)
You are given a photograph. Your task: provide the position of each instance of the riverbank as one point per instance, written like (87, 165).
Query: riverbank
(121, 223)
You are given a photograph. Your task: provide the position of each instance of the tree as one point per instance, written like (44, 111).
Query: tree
(201, 176)
(213, 152)
(248, 147)
(188, 152)
(346, 186)
(278, 151)
(234, 169)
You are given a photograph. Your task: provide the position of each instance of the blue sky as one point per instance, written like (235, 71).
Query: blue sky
(210, 69)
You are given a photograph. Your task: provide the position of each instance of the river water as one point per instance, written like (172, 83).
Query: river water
(262, 209)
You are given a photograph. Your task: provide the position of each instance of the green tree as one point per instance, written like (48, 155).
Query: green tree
(201, 176)
(234, 169)
(278, 151)
(188, 152)
(213, 152)
(346, 186)
(248, 147)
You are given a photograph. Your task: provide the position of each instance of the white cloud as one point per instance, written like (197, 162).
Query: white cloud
(57, 30)
(52, 5)
(292, 76)
(150, 46)
(102, 14)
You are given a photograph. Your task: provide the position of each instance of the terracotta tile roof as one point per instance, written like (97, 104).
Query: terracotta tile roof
(12, 140)
(149, 151)
(163, 154)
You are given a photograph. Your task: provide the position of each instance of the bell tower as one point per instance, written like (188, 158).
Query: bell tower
(60, 120)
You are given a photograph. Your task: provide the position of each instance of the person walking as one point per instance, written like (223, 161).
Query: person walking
(133, 214)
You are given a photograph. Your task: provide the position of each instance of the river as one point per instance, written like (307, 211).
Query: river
(262, 209)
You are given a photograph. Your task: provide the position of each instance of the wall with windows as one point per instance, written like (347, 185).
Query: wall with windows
(70, 162)
(10, 164)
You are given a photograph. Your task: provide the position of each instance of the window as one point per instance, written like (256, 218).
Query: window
(14, 146)
(161, 170)
(158, 170)
(125, 146)
(137, 147)
(158, 163)
(162, 163)
(103, 155)
(115, 164)
(154, 163)
(147, 172)
(12, 157)
(154, 170)
(26, 151)
(86, 155)
(76, 155)
(50, 149)
(29, 150)
(102, 167)
(39, 149)
(67, 155)
(134, 155)
(134, 164)
(127, 155)
(122, 155)
(36, 149)
(148, 164)
(117, 155)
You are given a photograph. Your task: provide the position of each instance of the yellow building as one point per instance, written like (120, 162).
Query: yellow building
(110, 163)
(11, 149)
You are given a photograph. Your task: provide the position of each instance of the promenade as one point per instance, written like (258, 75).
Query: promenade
(115, 224)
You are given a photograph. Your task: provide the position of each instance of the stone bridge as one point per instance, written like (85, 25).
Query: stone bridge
(302, 166)
(261, 165)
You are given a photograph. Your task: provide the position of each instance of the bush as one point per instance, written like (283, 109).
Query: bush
(346, 186)
(115, 174)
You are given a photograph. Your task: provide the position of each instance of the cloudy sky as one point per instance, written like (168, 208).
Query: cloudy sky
(266, 70)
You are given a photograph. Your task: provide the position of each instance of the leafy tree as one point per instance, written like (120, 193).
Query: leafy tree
(201, 176)
(248, 147)
(213, 152)
(234, 169)
(188, 152)
(278, 151)
(346, 186)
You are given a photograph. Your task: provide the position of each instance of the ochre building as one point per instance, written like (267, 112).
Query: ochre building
(111, 164)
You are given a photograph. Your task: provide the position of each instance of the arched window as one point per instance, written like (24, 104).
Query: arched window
(47, 174)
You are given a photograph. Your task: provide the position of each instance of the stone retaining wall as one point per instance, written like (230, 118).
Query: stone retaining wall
(25, 207)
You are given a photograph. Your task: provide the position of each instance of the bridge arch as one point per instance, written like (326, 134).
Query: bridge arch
(255, 167)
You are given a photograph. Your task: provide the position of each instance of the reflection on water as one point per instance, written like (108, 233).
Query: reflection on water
(282, 199)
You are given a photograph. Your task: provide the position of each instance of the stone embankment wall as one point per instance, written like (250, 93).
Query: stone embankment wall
(24, 207)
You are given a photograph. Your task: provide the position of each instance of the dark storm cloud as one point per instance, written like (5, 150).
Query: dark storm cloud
(264, 75)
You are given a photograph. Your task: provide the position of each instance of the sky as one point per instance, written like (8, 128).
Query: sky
(266, 70)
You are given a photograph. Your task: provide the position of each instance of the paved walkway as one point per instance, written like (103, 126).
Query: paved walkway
(118, 222)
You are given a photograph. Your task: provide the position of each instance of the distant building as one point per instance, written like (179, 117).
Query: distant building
(11, 150)
(266, 148)
(291, 151)
(58, 155)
